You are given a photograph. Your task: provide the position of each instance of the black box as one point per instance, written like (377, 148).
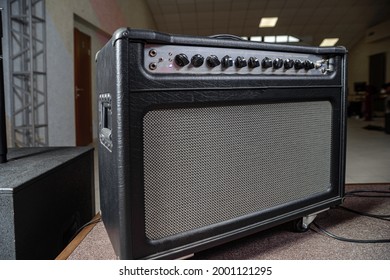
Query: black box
(46, 195)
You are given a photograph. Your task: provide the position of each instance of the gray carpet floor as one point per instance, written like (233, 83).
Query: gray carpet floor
(280, 243)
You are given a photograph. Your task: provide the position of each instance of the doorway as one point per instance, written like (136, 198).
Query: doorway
(377, 78)
(82, 88)
(377, 70)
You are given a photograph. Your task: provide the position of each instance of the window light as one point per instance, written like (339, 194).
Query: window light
(269, 39)
(275, 39)
(256, 38)
(293, 39)
(281, 39)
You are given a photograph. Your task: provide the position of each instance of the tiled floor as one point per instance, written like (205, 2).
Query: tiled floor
(368, 152)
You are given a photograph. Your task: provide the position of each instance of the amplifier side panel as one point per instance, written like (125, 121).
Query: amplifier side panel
(111, 81)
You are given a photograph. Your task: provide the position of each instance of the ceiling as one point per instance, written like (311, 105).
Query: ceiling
(309, 20)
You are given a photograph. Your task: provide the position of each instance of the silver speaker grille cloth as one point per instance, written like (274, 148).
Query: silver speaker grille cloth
(207, 165)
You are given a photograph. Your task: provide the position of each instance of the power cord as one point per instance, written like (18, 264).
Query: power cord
(359, 193)
(324, 231)
(97, 220)
(376, 216)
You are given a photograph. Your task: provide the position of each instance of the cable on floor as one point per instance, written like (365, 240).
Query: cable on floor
(320, 229)
(359, 193)
(376, 216)
(85, 225)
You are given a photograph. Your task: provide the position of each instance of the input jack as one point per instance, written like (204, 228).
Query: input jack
(152, 52)
(153, 66)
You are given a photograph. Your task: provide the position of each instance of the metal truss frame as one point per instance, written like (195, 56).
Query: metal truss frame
(27, 46)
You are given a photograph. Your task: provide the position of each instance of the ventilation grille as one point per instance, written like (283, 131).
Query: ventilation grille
(207, 165)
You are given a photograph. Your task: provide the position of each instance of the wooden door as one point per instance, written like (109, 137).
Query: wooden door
(82, 88)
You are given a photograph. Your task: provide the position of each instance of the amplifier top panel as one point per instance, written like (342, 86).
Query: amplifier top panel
(182, 59)
(226, 54)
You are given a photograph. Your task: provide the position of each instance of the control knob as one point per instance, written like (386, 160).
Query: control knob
(197, 60)
(278, 63)
(308, 64)
(288, 63)
(253, 62)
(298, 64)
(212, 61)
(181, 60)
(240, 62)
(227, 61)
(266, 62)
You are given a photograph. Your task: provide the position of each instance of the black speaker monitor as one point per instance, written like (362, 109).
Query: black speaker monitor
(46, 195)
(205, 140)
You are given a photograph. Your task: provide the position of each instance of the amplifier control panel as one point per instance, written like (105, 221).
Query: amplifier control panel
(174, 59)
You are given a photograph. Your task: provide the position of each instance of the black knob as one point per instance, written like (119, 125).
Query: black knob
(288, 63)
(227, 61)
(241, 62)
(266, 62)
(308, 64)
(278, 63)
(212, 61)
(181, 60)
(298, 64)
(253, 62)
(197, 60)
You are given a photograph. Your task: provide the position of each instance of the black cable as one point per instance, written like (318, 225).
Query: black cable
(324, 231)
(357, 193)
(376, 216)
(85, 225)
(380, 217)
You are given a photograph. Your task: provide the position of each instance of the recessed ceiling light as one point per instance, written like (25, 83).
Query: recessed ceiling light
(268, 22)
(329, 42)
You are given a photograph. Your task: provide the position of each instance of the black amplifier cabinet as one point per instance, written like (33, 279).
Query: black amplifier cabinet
(205, 140)
(46, 195)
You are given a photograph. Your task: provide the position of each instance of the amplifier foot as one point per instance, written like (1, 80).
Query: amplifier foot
(303, 224)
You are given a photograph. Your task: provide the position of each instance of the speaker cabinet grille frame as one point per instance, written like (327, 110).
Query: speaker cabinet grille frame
(196, 160)
(203, 166)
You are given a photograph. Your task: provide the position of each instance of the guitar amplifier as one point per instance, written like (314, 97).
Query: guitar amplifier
(204, 140)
